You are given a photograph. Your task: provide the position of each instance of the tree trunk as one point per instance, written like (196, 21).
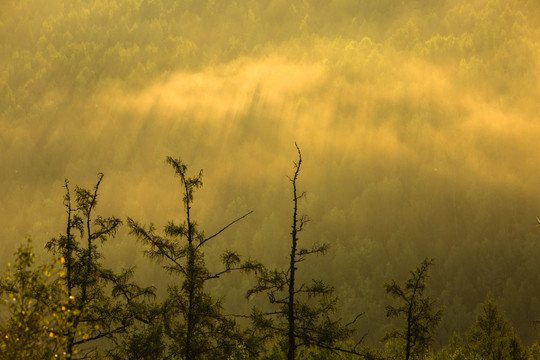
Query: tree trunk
(292, 267)
(191, 281)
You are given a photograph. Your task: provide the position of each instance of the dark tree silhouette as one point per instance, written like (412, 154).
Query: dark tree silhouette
(303, 314)
(193, 319)
(103, 303)
(420, 312)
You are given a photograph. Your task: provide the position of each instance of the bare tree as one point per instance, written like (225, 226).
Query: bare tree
(302, 317)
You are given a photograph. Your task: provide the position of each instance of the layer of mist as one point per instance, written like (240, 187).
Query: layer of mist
(419, 126)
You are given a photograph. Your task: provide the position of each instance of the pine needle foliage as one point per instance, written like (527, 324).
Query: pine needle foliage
(193, 322)
(420, 312)
(302, 313)
(492, 336)
(103, 302)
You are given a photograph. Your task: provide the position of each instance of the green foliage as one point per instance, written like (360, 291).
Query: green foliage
(240, 352)
(145, 342)
(493, 337)
(534, 351)
(104, 303)
(85, 44)
(38, 310)
(193, 323)
(420, 312)
(455, 350)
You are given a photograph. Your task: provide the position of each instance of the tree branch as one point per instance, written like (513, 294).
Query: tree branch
(223, 229)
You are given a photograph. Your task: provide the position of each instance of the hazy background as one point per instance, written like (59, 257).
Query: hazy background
(418, 122)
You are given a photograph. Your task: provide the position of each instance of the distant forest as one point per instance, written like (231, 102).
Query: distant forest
(418, 124)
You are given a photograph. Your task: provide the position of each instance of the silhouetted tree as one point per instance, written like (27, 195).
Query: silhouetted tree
(420, 312)
(102, 301)
(193, 320)
(303, 314)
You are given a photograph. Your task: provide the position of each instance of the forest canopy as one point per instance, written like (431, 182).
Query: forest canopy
(418, 122)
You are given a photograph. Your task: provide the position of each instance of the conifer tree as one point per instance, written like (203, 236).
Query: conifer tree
(420, 312)
(102, 301)
(193, 322)
(303, 312)
(492, 337)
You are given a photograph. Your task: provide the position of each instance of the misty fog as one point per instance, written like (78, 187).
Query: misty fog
(418, 123)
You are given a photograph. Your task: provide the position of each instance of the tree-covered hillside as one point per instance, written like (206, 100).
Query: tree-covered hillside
(418, 122)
